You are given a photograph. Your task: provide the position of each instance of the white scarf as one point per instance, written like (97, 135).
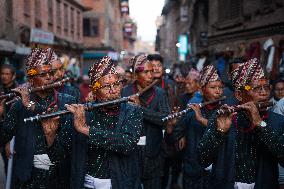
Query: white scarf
(42, 161)
(240, 185)
(95, 183)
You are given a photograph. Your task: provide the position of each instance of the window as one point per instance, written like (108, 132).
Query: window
(58, 14)
(86, 27)
(78, 25)
(91, 27)
(37, 14)
(27, 7)
(72, 19)
(37, 8)
(229, 9)
(9, 10)
(50, 12)
(66, 19)
(95, 27)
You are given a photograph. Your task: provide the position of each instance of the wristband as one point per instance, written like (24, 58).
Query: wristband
(30, 105)
(221, 130)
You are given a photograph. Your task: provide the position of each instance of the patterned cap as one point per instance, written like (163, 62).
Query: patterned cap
(246, 73)
(139, 62)
(193, 74)
(100, 69)
(132, 61)
(208, 74)
(39, 57)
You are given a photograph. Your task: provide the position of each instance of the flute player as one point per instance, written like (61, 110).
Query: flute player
(35, 164)
(155, 106)
(246, 147)
(104, 153)
(193, 125)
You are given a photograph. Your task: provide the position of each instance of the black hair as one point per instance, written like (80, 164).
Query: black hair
(128, 71)
(10, 67)
(155, 57)
(238, 60)
(281, 80)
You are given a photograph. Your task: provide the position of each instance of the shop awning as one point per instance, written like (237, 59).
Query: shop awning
(94, 55)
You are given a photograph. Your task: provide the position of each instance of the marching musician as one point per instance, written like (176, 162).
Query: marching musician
(245, 147)
(34, 164)
(169, 87)
(59, 73)
(155, 106)
(165, 83)
(104, 151)
(193, 125)
(8, 82)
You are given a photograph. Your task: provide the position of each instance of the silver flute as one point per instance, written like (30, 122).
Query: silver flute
(183, 112)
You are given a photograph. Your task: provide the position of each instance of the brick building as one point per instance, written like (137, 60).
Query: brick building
(217, 27)
(40, 23)
(129, 29)
(102, 30)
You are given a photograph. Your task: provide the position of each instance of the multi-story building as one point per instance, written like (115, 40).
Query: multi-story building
(231, 27)
(40, 23)
(167, 33)
(129, 28)
(102, 28)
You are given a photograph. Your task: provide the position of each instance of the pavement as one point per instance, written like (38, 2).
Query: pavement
(2, 175)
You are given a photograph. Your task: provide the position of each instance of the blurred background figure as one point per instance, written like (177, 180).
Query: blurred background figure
(278, 90)
(73, 66)
(128, 77)
(8, 82)
(84, 88)
(191, 88)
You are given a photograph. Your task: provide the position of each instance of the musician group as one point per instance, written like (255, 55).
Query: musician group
(218, 138)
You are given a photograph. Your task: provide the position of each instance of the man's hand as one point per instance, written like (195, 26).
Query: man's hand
(198, 115)
(78, 111)
(8, 151)
(253, 111)
(224, 121)
(181, 143)
(2, 107)
(172, 122)
(135, 100)
(23, 91)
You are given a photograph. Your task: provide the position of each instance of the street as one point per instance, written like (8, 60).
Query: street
(1, 174)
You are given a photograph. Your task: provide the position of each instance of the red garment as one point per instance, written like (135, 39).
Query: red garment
(84, 91)
(253, 51)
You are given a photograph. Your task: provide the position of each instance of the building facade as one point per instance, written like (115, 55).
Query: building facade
(40, 23)
(102, 30)
(220, 26)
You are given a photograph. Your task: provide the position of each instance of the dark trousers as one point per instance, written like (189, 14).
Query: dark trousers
(198, 182)
(154, 183)
(40, 179)
(151, 169)
(5, 159)
(175, 165)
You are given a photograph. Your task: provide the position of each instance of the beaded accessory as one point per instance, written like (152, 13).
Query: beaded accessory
(246, 73)
(100, 69)
(208, 74)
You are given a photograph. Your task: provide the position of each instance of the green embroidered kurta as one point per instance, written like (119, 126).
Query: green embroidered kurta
(98, 159)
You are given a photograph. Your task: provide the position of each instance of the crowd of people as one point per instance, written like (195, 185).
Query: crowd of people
(130, 131)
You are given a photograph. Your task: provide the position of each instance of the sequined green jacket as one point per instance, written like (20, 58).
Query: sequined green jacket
(248, 156)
